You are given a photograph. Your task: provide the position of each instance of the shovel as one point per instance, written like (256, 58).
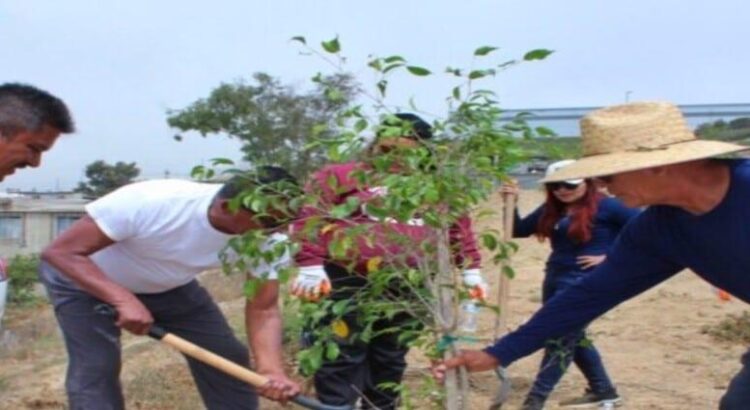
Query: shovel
(212, 359)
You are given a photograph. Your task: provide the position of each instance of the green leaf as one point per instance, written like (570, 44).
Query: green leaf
(477, 74)
(393, 59)
(490, 241)
(332, 351)
(251, 287)
(483, 51)
(457, 93)
(197, 172)
(512, 246)
(221, 161)
(509, 272)
(545, 132)
(454, 71)
(382, 86)
(300, 39)
(334, 94)
(376, 212)
(345, 209)
(331, 46)
(419, 71)
(339, 307)
(375, 64)
(392, 66)
(315, 358)
(431, 195)
(414, 277)
(360, 125)
(538, 54)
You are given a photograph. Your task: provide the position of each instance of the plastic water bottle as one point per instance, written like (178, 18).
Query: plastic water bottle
(469, 316)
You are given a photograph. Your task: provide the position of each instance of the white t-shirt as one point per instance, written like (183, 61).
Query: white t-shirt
(162, 235)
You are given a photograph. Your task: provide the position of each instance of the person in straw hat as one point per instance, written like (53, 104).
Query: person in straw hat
(645, 154)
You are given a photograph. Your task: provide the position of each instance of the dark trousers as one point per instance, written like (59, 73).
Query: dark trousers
(93, 344)
(361, 367)
(559, 353)
(737, 396)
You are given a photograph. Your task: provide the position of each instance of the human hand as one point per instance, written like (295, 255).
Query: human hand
(472, 360)
(589, 261)
(475, 283)
(279, 387)
(311, 283)
(133, 316)
(510, 187)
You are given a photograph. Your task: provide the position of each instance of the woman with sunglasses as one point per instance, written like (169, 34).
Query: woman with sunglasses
(581, 224)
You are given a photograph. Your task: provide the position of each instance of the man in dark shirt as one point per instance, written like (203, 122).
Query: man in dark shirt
(645, 155)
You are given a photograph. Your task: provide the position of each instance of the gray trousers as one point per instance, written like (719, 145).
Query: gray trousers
(93, 344)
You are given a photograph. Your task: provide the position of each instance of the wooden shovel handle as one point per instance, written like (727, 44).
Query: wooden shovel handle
(214, 360)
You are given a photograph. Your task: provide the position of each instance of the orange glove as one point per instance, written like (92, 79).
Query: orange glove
(475, 283)
(311, 283)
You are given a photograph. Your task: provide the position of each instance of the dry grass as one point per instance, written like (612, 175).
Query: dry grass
(734, 329)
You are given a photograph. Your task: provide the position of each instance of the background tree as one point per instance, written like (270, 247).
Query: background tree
(736, 130)
(273, 121)
(104, 178)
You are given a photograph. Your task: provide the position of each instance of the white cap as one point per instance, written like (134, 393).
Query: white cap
(555, 166)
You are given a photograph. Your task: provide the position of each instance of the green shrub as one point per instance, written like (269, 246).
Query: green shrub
(22, 274)
(733, 329)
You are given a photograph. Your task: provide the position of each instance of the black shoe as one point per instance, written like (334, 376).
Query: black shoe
(591, 399)
(533, 403)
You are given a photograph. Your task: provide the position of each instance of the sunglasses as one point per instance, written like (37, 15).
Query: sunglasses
(554, 186)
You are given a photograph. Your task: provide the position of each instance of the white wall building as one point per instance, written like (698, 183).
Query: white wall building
(29, 224)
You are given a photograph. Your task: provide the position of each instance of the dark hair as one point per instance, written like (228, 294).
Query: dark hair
(27, 108)
(582, 214)
(269, 176)
(420, 129)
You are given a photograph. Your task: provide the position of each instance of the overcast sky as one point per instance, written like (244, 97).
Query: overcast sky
(120, 65)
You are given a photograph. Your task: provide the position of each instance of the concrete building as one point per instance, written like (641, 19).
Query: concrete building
(28, 224)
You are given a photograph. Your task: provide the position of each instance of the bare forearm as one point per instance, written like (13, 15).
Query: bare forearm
(264, 327)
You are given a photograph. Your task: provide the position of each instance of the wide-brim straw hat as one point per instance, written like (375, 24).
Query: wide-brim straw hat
(636, 136)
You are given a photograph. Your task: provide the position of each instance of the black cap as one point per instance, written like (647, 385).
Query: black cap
(421, 129)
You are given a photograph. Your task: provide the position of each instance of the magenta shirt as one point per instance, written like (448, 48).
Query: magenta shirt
(385, 240)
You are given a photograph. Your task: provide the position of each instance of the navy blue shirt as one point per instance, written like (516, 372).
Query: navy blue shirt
(653, 247)
(611, 216)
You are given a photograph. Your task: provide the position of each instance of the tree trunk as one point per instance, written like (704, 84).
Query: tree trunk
(456, 390)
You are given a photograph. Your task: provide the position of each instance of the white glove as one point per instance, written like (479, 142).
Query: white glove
(311, 283)
(475, 283)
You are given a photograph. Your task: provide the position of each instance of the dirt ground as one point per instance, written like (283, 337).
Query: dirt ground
(653, 348)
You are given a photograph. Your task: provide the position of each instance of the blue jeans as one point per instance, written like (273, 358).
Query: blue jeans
(737, 396)
(559, 353)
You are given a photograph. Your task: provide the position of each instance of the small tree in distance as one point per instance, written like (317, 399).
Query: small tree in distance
(104, 178)
(273, 121)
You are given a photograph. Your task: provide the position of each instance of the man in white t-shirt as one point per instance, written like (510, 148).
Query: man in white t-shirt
(139, 249)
